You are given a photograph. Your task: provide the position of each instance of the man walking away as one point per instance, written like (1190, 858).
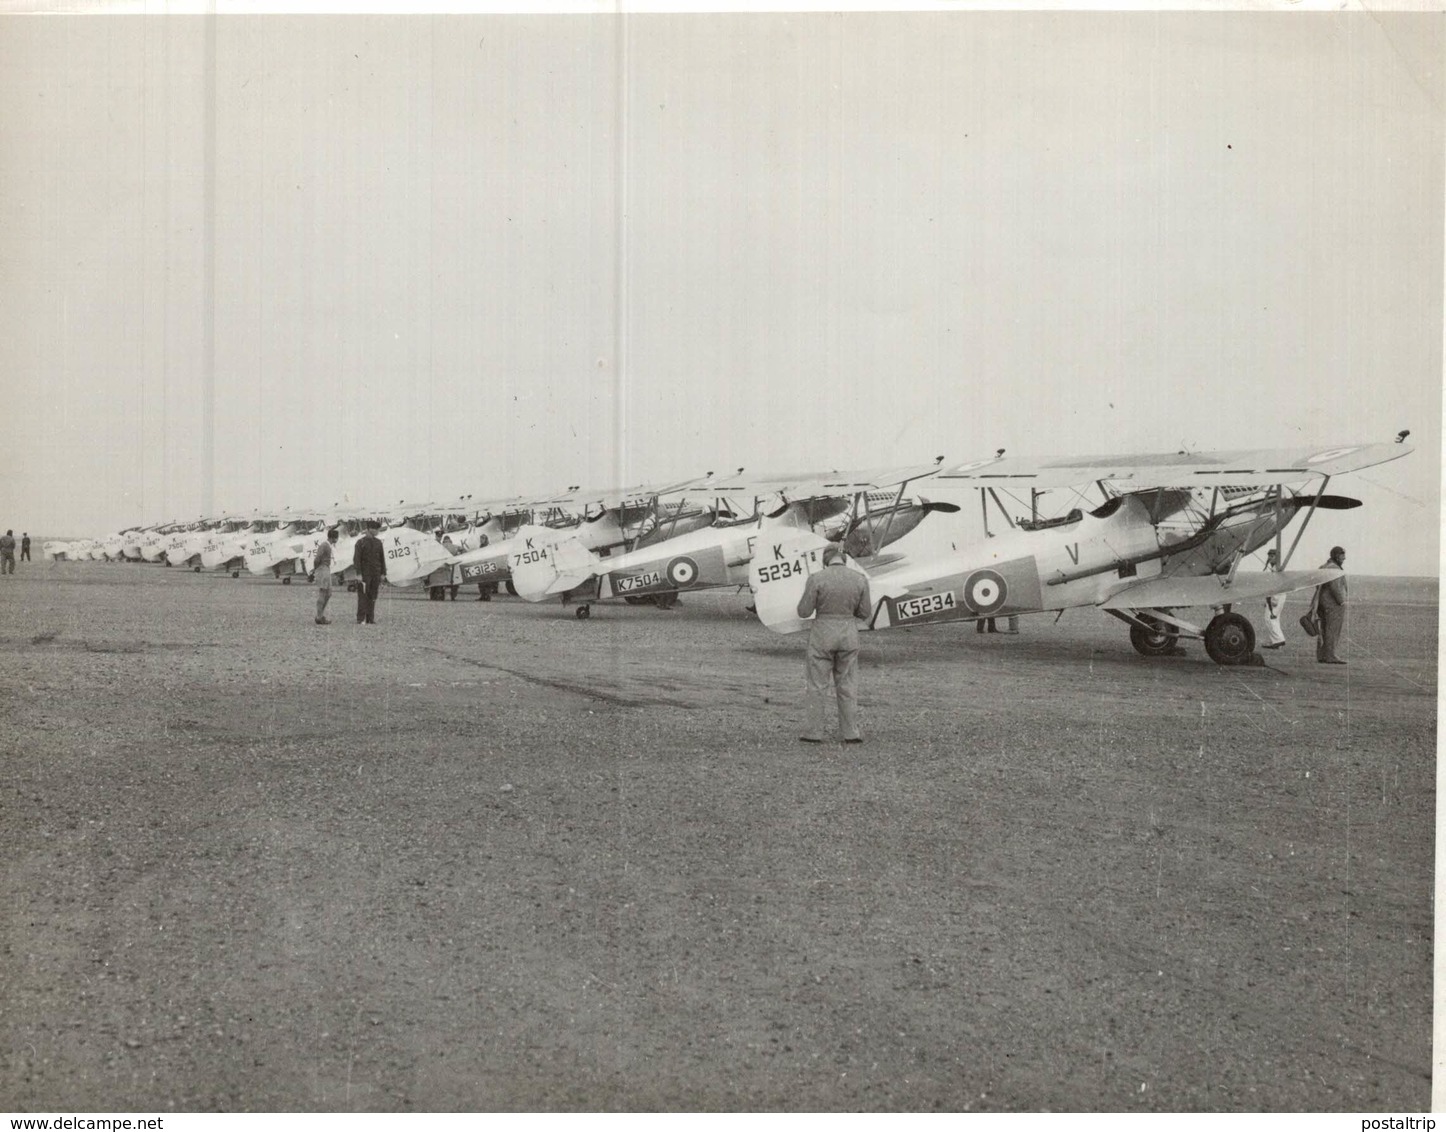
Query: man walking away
(1274, 638)
(370, 562)
(25, 547)
(322, 573)
(838, 598)
(7, 553)
(1330, 602)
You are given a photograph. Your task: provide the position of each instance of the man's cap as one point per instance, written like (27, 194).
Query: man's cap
(832, 554)
(332, 532)
(374, 525)
(1337, 551)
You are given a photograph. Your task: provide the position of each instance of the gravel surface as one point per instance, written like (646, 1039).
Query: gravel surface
(486, 856)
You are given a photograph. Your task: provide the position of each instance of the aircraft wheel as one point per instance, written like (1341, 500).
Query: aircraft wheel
(235, 573)
(286, 581)
(666, 601)
(311, 578)
(1161, 640)
(511, 589)
(196, 568)
(1230, 639)
(635, 600)
(436, 593)
(583, 611)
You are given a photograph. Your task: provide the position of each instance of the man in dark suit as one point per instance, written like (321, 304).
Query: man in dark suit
(370, 562)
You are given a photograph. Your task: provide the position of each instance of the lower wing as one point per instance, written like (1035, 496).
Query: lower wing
(1212, 589)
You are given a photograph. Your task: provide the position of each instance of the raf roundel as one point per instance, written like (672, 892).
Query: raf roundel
(985, 592)
(682, 572)
(1329, 454)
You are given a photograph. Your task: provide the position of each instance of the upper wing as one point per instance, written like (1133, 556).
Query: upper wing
(1247, 468)
(622, 495)
(831, 484)
(1171, 593)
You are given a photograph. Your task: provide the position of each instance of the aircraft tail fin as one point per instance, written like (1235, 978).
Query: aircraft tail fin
(544, 565)
(780, 568)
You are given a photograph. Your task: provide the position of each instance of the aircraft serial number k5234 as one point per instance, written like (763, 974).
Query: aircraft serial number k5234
(1169, 533)
(922, 606)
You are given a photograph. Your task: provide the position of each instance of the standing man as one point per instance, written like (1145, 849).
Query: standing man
(370, 561)
(838, 598)
(25, 546)
(1274, 638)
(1330, 602)
(321, 571)
(7, 553)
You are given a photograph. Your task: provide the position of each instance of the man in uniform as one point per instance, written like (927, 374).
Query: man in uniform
(1274, 638)
(25, 547)
(321, 571)
(7, 553)
(1330, 602)
(370, 561)
(838, 598)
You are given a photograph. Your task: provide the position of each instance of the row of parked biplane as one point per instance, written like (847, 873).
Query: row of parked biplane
(1141, 537)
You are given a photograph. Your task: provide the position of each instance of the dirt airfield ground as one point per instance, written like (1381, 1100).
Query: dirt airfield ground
(485, 856)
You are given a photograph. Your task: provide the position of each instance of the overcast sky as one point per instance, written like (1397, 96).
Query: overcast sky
(260, 261)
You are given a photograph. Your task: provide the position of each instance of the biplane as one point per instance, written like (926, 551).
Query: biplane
(1161, 534)
(416, 546)
(703, 533)
(184, 548)
(282, 552)
(479, 551)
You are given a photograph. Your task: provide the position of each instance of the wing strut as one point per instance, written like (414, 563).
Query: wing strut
(1279, 491)
(1000, 504)
(1306, 521)
(1239, 555)
(876, 544)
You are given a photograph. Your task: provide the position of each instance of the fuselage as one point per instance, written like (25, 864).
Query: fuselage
(225, 547)
(1080, 562)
